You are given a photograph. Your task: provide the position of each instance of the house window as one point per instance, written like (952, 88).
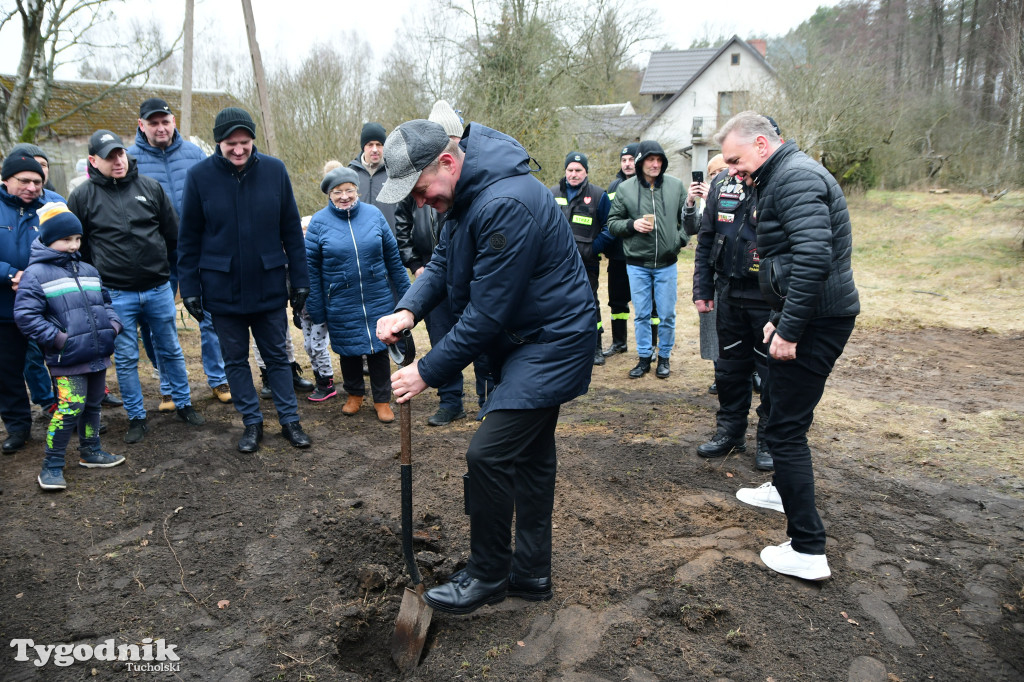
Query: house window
(734, 59)
(730, 104)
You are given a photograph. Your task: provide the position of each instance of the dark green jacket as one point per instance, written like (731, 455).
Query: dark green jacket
(665, 199)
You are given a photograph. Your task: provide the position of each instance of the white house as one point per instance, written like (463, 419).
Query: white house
(695, 91)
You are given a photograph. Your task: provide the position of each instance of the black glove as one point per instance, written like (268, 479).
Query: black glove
(194, 307)
(299, 297)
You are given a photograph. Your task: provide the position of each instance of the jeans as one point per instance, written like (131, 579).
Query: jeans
(213, 361)
(14, 406)
(269, 329)
(653, 286)
(78, 406)
(512, 466)
(156, 308)
(40, 385)
(794, 388)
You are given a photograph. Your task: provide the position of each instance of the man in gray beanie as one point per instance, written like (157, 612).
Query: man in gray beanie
(241, 245)
(369, 166)
(418, 231)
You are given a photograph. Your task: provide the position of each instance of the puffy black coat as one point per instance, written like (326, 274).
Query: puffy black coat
(509, 264)
(62, 306)
(129, 227)
(417, 231)
(370, 186)
(805, 241)
(241, 240)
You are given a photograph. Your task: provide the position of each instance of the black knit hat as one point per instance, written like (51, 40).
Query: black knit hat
(30, 149)
(231, 119)
(629, 149)
(372, 132)
(16, 163)
(56, 221)
(577, 157)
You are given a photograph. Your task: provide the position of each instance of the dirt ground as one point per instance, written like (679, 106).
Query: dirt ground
(287, 565)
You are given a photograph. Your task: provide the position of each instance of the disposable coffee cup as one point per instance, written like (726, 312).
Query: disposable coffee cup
(649, 217)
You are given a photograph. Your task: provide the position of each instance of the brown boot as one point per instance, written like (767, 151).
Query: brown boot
(352, 405)
(384, 413)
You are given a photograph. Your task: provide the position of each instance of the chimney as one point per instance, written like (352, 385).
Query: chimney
(760, 45)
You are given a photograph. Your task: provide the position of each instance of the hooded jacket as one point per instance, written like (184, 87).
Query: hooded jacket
(62, 306)
(369, 188)
(665, 198)
(241, 238)
(515, 280)
(805, 241)
(128, 228)
(19, 227)
(167, 166)
(351, 253)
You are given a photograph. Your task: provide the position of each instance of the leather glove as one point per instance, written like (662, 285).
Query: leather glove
(299, 297)
(194, 307)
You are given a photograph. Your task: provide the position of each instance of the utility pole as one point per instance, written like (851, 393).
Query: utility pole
(185, 125)
(261, 80)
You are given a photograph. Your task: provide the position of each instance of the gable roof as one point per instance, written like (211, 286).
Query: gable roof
(711, 60)
(601, 124)
(119, 109)
(667, 70)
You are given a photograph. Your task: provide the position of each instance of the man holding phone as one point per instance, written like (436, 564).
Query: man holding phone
(647, 214)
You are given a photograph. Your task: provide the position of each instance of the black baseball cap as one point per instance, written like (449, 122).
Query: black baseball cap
(154, 105)
(102, 142)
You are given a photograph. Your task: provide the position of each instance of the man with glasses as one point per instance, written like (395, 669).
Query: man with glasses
(23, 179)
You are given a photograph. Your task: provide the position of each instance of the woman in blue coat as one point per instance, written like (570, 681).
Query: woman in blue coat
(351, 254)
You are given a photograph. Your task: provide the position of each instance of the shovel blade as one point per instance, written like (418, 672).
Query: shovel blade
(410, 629)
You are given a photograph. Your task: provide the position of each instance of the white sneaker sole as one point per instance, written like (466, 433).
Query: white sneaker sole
(46, 486)
(94, 465)
(755, 497)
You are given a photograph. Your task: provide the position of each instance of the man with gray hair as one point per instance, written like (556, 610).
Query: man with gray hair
(804, 240)
(509, 265)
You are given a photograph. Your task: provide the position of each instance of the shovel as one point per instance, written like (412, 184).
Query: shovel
(414, 615)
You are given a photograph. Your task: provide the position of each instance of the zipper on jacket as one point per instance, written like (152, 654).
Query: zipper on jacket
(88, 308)
(359, 270)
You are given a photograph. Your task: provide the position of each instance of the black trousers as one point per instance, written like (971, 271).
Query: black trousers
(741, 350)
(269, 330)
(15, 410)
(379, 365)
(795, 388)
(594, 277)
(618, 289)
(512, 468)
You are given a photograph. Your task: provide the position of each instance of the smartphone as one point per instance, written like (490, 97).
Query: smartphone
(698, 176)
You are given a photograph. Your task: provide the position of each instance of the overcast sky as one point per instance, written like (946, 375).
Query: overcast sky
(286, 29)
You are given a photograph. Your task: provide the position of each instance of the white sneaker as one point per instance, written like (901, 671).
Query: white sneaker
(786, 560)
(764, 495)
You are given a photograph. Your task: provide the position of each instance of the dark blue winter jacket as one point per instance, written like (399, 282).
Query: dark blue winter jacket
(62, 306)
(509, 264)
(167, 166)
(351, 254)
(19, 227)
(241, 239)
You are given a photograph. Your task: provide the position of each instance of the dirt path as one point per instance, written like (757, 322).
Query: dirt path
(656, 570)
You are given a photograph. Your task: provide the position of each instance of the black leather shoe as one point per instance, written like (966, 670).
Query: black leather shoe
(304, 385)
(713, 388)
(294, 434)
(757, 382)
(465, 594)
(110, 400)
(616, 348)
(663, 369)
(763, 458)
(721, 445)
(445, 416)
(15, 441)
(530, 589)
(643, 366)
(251, 437)
(598, 356)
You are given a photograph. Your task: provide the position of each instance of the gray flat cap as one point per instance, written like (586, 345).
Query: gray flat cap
(409, 149)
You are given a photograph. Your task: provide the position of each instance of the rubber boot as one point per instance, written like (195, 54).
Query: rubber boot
(618, 338)
(265, 391)
(598, 352)
(304, 385)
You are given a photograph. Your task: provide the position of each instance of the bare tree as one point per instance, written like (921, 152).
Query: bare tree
(55, 32)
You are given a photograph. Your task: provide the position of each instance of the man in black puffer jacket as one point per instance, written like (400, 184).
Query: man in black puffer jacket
(804, 241)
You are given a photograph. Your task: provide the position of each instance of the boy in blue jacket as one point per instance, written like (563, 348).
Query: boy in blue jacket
(62, 306)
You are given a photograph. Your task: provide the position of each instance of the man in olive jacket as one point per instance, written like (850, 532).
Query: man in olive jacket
(804, 240)
(651, 247)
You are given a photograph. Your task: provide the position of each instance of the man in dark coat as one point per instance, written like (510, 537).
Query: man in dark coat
(804, 241)
(509, 265)
(369, 167)
(241, 242)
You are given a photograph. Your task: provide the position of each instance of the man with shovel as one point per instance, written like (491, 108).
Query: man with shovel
(509, 265)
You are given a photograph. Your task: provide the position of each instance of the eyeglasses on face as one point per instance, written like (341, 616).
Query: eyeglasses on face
(28, 181)
(339, 193)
